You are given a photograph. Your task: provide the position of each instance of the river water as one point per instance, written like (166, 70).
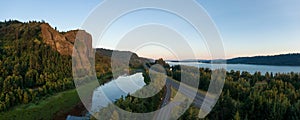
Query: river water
(244, 67)
(115, 89)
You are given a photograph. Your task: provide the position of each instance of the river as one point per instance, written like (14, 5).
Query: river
(244, 67)
(109, 92)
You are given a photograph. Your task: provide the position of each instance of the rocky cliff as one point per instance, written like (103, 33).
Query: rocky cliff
(64, 42)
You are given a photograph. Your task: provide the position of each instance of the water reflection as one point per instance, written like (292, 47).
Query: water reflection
(109, 92)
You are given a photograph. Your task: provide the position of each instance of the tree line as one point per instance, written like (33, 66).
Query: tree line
(253, 96)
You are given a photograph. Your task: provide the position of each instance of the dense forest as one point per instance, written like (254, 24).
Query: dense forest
(245, 96)
(29, 68)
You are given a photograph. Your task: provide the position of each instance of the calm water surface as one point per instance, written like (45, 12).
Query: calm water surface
(109, 92)
(244, 67)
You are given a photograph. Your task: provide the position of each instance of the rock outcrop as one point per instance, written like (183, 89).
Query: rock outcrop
(64, 42)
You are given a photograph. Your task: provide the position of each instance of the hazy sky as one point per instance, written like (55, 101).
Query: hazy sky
(248, 28)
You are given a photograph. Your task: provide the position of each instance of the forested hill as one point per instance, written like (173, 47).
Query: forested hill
(35, 61)
(279, 60)
(30, 65)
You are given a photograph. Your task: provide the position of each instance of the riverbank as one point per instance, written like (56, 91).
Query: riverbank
(77, 110)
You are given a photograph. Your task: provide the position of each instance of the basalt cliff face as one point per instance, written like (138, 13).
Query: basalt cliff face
(64, 42)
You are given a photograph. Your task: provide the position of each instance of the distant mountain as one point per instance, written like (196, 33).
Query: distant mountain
(190, 60)
(278, 60)
(292, 59)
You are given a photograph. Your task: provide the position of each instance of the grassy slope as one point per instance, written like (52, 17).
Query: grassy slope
(44, 109)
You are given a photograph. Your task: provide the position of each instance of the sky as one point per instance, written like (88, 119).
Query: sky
(247, 28)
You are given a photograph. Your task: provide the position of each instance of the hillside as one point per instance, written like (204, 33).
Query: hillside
(35, 61)
(279, 60)
(30, 68)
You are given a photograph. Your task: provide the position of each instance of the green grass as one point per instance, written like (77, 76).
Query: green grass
(44, 109)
